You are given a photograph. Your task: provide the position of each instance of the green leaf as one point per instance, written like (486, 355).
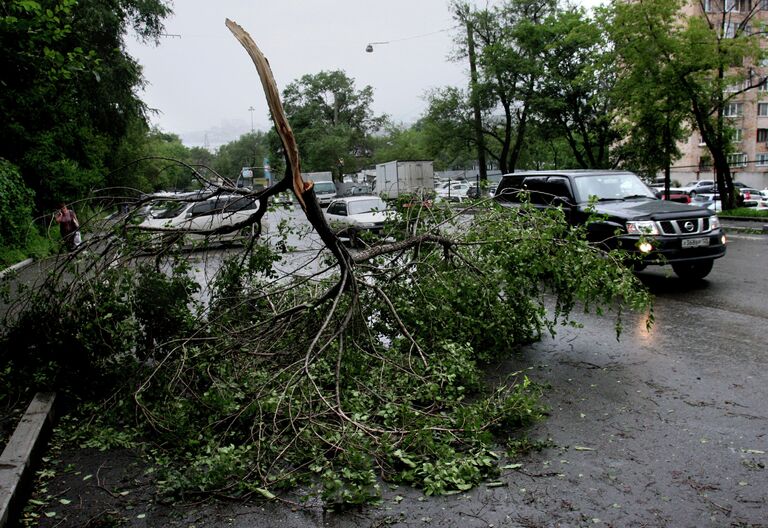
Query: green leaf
(266, 493)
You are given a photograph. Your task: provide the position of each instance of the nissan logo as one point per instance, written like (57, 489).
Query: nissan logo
(688, 226)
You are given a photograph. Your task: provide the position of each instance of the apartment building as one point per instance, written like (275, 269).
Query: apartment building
(747, 112)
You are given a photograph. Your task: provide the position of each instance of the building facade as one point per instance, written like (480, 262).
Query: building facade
(747, 111)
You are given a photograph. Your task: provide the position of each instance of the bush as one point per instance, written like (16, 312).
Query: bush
(16, 207)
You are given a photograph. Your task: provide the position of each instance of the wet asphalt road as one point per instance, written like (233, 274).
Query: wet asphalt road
(664, 428)
(667, 427)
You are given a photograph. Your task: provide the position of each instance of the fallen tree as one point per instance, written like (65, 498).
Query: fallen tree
(368, 368)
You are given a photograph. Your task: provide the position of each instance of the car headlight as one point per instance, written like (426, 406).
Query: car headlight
(642, 227)
(714, 222)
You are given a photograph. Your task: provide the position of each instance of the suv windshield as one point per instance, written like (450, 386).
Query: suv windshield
(610, 187)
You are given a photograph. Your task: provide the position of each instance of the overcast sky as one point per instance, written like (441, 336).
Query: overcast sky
(203, 82)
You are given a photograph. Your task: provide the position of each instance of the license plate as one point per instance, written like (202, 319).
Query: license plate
(695, 242)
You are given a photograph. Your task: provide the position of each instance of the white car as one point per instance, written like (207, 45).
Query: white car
(750, 196)
(453, 192)
(354, 214)
(708, 200)
(762, 200)
(193, 220)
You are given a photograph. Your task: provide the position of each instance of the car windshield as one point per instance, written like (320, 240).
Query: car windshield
(325, 187)
(611, 187)
(171, 211)
(366, 206)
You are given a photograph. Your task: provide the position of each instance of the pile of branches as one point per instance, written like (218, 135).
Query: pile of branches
(369, 367)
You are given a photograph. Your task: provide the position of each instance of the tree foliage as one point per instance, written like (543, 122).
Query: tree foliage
(250, 150)
(15, 208)
(333, 121)
(697, 60)
(68, 88)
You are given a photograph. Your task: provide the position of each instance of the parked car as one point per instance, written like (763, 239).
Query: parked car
(655, 231)
(708, 200)
(453, 192)
(674, 196)
(709, 187)
(352, 215)
(698, 186)
(284, 199)
(194, 219)
(355, 190)
(762, 201)
(749, 196)
(476, 192)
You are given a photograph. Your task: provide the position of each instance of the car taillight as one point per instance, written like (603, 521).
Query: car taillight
(747, 196)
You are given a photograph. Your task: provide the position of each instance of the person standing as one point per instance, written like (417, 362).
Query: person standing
(68, 226)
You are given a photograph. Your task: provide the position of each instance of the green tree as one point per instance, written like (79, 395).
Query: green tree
(573, 93)
(148, 161)
(700, 57)
(249, 150)
(15, 206)
(333, 121)
(654, 108)
(447, 126)
(68, 88)
(399, 142)
(508, 49)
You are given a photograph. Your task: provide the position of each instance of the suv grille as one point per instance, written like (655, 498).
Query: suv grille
(688, 226)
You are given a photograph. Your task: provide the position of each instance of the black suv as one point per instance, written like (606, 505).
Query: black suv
(658, 231)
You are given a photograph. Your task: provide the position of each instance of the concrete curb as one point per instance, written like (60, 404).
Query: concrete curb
(15, 267)
(16, 460)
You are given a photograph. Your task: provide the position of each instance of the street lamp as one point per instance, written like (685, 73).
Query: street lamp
(369, 47)
(251, 109)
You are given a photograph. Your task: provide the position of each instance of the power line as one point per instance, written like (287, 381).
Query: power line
(369, 47)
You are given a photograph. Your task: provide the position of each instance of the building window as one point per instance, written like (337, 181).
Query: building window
(738, 159)
(762, 135)
(738, 135)
(764, 5)
(763, 86)
(761, 160)
(739, 6)
(729, 29)
(762, 109)
(737, 109)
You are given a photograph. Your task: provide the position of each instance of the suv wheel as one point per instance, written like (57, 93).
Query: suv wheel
(693, 270)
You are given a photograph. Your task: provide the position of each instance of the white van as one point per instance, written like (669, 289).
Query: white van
(325, 192)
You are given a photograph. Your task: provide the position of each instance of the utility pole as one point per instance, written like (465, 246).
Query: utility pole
(251, 109)
(475, 98)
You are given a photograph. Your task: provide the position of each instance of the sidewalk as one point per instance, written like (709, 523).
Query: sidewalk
(754, 226)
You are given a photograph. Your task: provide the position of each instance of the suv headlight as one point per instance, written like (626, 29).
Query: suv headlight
(642, 227)
(714, 222)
